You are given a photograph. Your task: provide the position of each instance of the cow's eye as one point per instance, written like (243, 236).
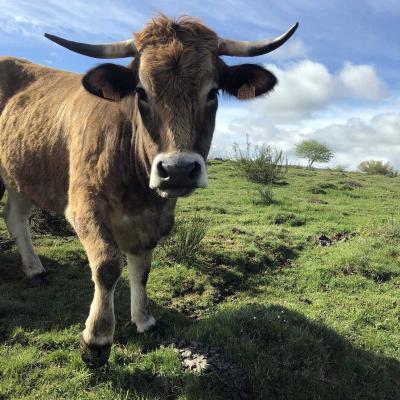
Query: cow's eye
(212, 94)
(141, 94)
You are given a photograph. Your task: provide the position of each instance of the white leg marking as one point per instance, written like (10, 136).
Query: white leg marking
(102, 304)
(17, 213)
(139, 267)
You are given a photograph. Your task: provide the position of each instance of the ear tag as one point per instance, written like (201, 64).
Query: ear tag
(246, 92)
(109, 93)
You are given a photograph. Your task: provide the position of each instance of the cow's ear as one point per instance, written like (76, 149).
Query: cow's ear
(110, 81)
(246, 81)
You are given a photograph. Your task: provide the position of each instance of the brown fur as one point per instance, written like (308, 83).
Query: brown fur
(63, 149)
(66, 150)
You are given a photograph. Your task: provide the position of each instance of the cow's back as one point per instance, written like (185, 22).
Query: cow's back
(34, 157)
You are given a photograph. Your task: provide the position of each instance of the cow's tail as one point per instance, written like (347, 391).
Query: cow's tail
(2, 189)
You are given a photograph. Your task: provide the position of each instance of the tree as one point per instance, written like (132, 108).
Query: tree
(377, 167)
(313, 151)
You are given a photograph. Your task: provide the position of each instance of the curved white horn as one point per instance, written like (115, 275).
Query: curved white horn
(121, 49)
(240, 48)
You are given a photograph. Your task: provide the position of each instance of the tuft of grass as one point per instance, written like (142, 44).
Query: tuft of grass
(350, 184)
(316, 189)
(327, 185)
(186, 239)
(264, 195)
(288, 218)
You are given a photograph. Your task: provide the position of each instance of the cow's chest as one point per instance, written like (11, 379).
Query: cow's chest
(138, 231)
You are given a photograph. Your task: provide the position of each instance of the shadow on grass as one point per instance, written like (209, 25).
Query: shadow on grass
(283, 353)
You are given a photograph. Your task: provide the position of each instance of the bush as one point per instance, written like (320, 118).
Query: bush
(186, 239)
(264, 195)
(263, 165)
(377, 167)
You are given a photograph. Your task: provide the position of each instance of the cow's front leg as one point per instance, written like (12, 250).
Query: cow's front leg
(139, 268)
(106, 265)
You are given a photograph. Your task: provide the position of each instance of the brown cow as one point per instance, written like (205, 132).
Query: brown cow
(115, 148)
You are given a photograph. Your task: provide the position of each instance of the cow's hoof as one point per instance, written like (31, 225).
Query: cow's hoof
(159, 329)
(147, 325)
(39, 280)
(94, 355)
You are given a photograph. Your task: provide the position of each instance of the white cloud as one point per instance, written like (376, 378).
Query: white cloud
(303, 87)
(362, 81)
(312, 102)
(308, 87)
(358, 140)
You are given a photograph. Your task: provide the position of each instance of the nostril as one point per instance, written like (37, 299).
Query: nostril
(162, 172)
(195, 172)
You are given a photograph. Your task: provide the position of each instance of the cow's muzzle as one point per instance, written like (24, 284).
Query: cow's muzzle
(178, 174)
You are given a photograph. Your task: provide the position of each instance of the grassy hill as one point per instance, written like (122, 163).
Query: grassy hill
(299, 299)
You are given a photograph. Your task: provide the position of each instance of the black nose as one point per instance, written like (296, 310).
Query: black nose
(178, 174)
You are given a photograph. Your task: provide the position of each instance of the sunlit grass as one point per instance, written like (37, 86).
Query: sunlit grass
(301, 320)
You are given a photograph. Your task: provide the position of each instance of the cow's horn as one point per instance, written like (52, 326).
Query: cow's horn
(250, 49)
(122, 49)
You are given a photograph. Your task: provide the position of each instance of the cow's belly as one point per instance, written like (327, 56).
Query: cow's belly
(138, 232)
(34, 156)
(35, 164)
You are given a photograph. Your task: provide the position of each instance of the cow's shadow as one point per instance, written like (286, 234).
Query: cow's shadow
(283, 354)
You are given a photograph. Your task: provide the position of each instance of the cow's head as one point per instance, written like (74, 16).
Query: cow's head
(175, 79)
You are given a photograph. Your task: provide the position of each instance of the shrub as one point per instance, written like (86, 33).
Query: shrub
(186, 239)
(264, 195)
(377, 167)
(263, 165)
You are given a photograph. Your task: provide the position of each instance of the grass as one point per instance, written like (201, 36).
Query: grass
(301, 320)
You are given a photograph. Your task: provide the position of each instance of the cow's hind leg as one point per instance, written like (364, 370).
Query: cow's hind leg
(16, 214)
(139, 268)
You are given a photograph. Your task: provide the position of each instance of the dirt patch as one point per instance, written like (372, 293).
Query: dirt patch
(206, 360)
(324, 240)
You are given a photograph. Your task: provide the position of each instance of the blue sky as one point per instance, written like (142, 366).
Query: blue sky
(339, 75)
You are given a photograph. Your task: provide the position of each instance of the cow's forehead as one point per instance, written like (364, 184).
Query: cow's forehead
(173, 69)
(176, 55)
(186, 30)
